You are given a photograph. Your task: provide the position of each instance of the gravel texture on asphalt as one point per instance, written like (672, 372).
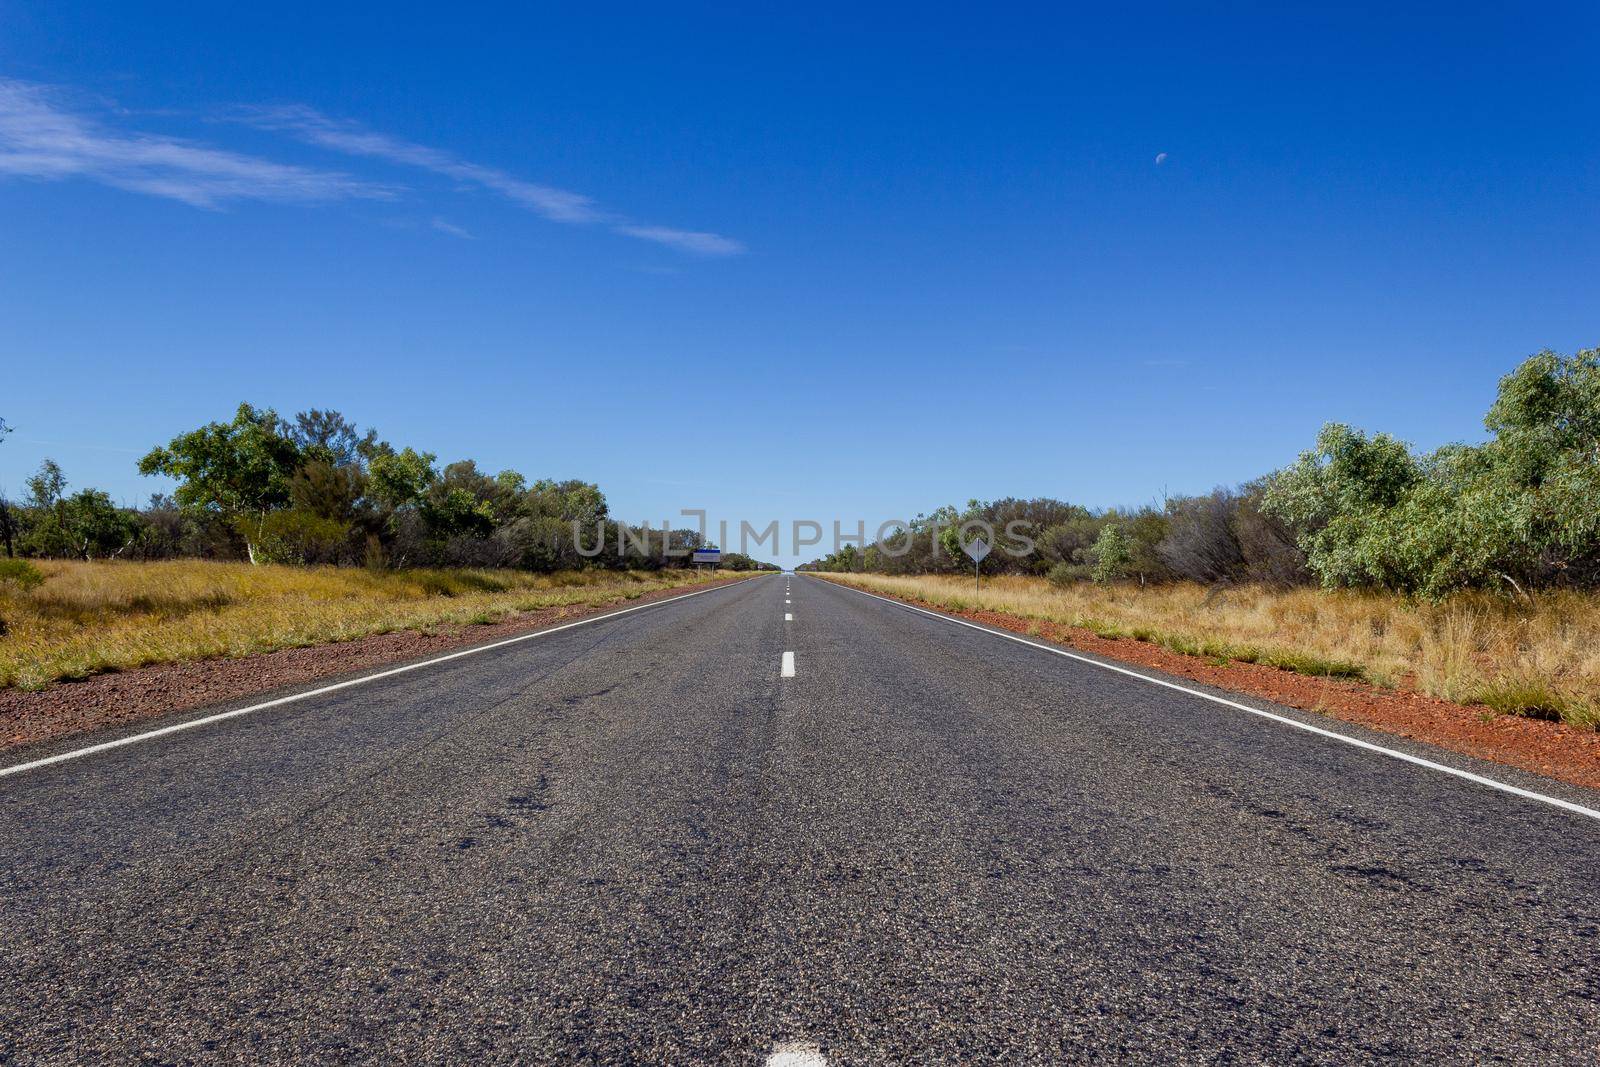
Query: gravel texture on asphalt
(633, 841)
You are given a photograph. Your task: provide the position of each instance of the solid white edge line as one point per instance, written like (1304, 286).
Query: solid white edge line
(148, 735)
(786, 669)
(796, 1054)
(1394, 753)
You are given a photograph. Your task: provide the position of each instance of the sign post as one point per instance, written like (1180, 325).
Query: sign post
(977, 548)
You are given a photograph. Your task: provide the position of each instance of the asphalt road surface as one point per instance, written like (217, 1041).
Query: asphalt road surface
(656, 838)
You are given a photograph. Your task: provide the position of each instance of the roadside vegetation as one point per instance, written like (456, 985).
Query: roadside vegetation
(283, 533)
(70, 620)
(317, 489)
(1472, 648)
(1518, 513)
(1471, 572)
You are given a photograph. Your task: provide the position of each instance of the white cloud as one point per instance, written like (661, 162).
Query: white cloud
(706, 244)
(45, 139)
(42, 139)
(557, 205)
(313, 127)
(446, 226)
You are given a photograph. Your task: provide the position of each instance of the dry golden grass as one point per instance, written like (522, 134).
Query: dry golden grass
(1542, 660)
(88, 618)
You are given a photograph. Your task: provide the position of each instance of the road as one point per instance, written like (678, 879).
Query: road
(655, 838)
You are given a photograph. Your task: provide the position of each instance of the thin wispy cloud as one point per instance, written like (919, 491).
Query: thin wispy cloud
(558, 205)
(706, 244)
(313, 127)
(44, 136)
(446, 226)
(44, 139)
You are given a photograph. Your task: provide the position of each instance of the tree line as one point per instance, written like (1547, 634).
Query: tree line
(317, 489)
(1520, 511)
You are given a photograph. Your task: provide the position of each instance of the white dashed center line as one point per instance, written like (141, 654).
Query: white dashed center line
(796, 1054)
(788, 617)
(787, 670)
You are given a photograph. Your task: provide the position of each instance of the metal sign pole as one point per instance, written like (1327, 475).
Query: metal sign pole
(977, 548)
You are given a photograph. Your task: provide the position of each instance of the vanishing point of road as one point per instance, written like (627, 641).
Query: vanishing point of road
(786, 822)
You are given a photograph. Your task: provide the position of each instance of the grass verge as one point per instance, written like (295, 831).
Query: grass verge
(1541, 661)
(91, 618)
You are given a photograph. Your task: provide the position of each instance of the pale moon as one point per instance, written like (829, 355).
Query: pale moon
(1161, 157)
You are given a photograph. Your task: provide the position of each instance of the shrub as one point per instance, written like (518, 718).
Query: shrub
(296, 536)
(1517, 510)
(20, 575)
(1066, 542)
(1112, 554)
(1063, 574)
(1201, 544)
(1270, 547)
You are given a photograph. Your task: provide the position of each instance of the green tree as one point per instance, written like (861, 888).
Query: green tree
(327, 492)
(571, 500)
(1543, 465)
(1145, 529)
(46, 486)
(94, 525)
(330, 436)
(1518, 509)
(240, 469)
(326, 489)
(84, 525)
(466, 502)
(1344, 494)
(399, 479)
(46, 531)
(452, 511)
(1112, 553)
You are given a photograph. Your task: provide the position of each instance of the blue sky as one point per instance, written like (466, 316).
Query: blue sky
(791, 263)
